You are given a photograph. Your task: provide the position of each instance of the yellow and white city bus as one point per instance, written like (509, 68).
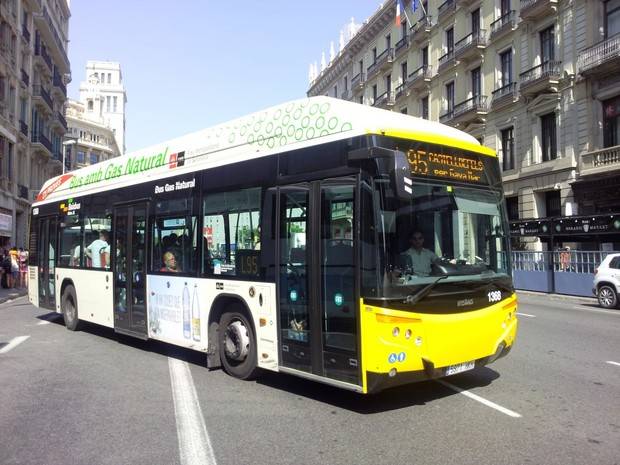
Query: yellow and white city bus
(341, 243)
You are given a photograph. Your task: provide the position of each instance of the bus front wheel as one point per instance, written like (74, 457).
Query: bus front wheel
(238, 345)
(69, 308)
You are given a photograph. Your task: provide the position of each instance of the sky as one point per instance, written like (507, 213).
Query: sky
(191, 64)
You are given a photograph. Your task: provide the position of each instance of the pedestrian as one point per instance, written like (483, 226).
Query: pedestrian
(5, 263)
(14, 258)
(23, 267)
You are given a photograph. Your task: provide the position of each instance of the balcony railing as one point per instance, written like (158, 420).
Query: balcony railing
(603, 53)
(422, 28)
(40, 138)
(23, 127)
(39, 91)
(58, 83)
(400, 90)
(601, 160)
(445, 60)
(504, 91)
(25, 77)
(385, 99)
(46, 19)
(40, 50)
(475, 40)
(447, 115)
(423, 74)
(503, 24)
(477, 104)
(546, 70)
(62, 120)
(358, 80)
(446, 9)
(26, 33)
(385, 57)
(531, 9)
(401, 45)
(346, 95)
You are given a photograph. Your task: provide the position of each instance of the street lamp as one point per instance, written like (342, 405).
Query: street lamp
(65, 144)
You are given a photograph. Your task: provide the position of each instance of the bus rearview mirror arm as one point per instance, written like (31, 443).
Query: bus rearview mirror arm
(399, 169)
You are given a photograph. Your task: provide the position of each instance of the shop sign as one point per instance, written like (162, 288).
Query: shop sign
(599, 224)
(6, 222)
(530, 228)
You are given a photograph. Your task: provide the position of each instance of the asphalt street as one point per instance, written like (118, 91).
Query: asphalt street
(94, 397)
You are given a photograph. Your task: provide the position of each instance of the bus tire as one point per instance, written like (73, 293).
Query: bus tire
(607, 296)
(68, 303)
(238, 345)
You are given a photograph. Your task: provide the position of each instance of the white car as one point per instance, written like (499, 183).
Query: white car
(607, 281)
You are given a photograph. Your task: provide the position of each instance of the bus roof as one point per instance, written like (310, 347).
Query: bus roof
(292, 125)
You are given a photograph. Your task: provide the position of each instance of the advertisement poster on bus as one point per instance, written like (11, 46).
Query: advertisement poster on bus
(174, 309)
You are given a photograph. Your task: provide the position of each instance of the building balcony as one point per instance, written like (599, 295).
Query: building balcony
(465, 2)
(421, 30)
(384, 60)
(51, 37)
(42, 143)
(23, 128)
(446, 10)
(25, 33)
(59, 85)
(34, 5)
(503, 25)
(400, 91)
(601, 59)
(504, 95)
(537, 9)
(39, 95)
(541, 78)
(420, 78)
(25, 77)
(40, 53)
(446, 61)
(600, 161)
(358, 81)
(401, 46)
(471, 47)
(385, 100)
(62, 120)
(346, 95)
(470, 110)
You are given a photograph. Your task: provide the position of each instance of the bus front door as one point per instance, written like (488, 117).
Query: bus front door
(129, 262)
(318, 305)
(47, 259)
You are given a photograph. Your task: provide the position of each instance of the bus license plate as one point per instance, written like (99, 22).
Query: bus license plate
(461, 367)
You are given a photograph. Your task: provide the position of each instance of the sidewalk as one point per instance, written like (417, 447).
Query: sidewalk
(6, 294)
(591, 300)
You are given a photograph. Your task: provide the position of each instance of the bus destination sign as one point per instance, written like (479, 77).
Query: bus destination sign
(463, 168)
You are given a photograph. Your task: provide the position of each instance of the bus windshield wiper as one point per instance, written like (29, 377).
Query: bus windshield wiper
(412, 298)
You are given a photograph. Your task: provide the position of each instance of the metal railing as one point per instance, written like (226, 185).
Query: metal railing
(402, 43)
(568, 261)
(39, 91)
(598, 54)
(23, 127)
(62, 120)
(447, 7)
(40, 50)
(508, 89)
(58, 83)
(425, 23)
(40, 138)
(477, 103)
(25, 33)
(358, 79)
(499, 24)
(547, 69)
(446, 59)
(473, 39)
(606, 157)
(423, 72)
(25, 77)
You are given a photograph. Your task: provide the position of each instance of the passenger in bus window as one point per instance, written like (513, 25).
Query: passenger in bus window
(170, 263)
(75, 254)
(99, 251)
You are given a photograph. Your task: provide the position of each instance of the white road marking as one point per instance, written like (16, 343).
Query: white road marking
(613, 363)
(13, 343)
(482, 400)
(526, 314)
(194, 444)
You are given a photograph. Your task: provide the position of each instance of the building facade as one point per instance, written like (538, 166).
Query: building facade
(536, 80)
(103, 94)
(89, 140)
(34, 71)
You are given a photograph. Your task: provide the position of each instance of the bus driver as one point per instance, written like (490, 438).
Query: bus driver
(420, 259)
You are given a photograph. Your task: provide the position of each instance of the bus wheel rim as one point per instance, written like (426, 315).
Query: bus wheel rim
(237, 341)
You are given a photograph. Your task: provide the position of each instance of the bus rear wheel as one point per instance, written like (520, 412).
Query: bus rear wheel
(238, 345)
(68, 303)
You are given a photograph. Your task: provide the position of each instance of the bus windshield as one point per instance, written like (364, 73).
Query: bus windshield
(443, 233)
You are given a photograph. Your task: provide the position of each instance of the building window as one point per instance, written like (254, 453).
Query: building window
(508, 149)
(504, 8)
(374, 94)
(450, 40)
(109, 78)
(611, 122)
(361, 63)
(547, 47)
(114, 104)
(403, 110)
(346, 83)
(424, 56)
(361, 100)
(388, 83)
(505, 73)
(476, 83)
(548, 133)
(612, 18)
(90, 105)
(512, 205)
(424, 107)
(553, 204)
(403, 72)
(388, 41)
(403, 29)
(475, 22)
(449, 97)
(374, 55)
(94, 158)
(80, 158)
(336, 91)
(107, 103)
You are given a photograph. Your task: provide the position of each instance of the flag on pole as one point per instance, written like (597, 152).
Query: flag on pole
(399, 9)
(414, 5)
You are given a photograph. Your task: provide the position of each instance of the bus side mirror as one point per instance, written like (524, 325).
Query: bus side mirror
(400, 175)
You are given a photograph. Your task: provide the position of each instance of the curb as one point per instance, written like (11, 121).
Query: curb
(557, 296)
(13, 295)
